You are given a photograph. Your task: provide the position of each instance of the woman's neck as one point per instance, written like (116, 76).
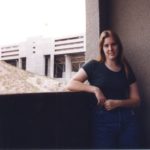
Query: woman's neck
(112, 65)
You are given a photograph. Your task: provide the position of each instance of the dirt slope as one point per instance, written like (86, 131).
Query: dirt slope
(14, 80)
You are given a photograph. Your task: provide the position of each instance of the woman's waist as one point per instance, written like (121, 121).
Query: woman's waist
(115, 110)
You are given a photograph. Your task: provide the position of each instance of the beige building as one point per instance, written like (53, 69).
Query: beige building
(56, 58)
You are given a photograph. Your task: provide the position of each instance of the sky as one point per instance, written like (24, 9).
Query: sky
(21, 19)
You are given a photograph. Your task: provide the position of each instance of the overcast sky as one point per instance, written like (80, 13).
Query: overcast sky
(20, 19)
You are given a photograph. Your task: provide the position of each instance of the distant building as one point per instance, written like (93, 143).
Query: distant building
(56, 58)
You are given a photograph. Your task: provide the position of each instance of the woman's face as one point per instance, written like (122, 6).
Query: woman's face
(110, 48)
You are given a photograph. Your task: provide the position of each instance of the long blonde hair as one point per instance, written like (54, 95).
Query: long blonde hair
(121, 60)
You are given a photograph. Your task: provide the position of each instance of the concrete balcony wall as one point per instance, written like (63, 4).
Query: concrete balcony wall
(48, 120)
(92, 29)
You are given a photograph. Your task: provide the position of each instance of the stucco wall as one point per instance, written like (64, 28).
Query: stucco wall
(131, 20)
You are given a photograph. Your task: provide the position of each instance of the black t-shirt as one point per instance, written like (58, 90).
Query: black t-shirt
(114, 85)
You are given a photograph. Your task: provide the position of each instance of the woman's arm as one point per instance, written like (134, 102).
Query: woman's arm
(77, 84)
(133, 101)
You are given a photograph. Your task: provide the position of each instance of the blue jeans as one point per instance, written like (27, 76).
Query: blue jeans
(115, 129)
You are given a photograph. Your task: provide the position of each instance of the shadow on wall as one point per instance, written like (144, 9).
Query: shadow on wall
(47, 120)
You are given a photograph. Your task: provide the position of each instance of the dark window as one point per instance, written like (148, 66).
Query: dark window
(23, 63)
(47, 57)
(12, 62)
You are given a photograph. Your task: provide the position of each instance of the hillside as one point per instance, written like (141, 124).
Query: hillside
(14, 80)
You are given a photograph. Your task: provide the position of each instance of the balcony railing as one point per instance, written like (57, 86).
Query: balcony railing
(47, 120)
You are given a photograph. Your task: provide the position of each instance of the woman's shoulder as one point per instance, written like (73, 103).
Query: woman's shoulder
(94, 61)
(92, 65)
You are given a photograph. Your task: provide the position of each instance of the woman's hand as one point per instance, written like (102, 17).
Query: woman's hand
(111, 104)
(132, 101)
(100, 96)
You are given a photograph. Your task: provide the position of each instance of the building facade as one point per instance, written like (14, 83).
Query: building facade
(55, 58)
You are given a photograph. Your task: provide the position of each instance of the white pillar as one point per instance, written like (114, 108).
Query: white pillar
(68, 67)
(19, 63)
(48, 66)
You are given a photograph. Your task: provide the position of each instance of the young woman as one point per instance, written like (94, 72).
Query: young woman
(114, 85)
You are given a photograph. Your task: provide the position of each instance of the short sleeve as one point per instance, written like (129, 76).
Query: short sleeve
(131, 76)
(88, 68)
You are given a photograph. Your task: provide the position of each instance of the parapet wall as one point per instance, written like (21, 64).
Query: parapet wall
(47, 120)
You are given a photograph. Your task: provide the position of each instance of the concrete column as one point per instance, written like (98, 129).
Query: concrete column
(19, 61)
(48, 67)
(68, 67)
(51, 66)
(92, 29)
